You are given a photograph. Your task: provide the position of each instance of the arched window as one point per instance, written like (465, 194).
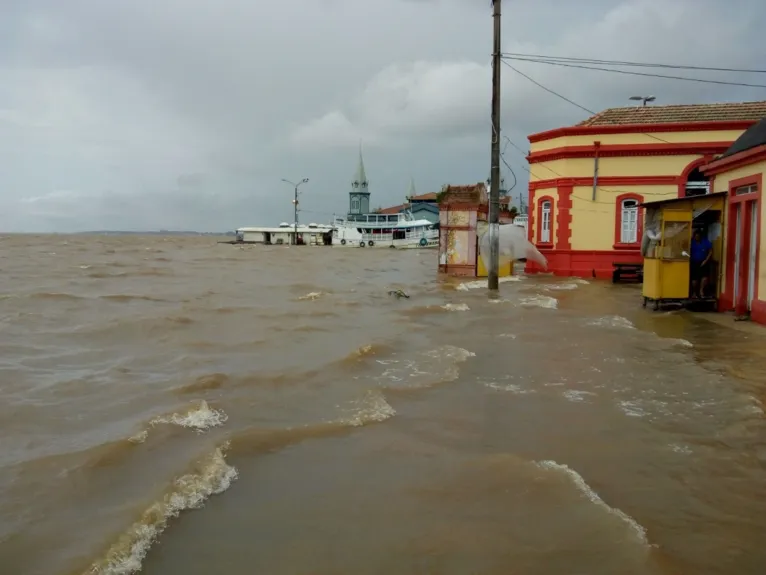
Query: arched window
(628, 221)
(696, 184)
(544, 222)
(355, 205)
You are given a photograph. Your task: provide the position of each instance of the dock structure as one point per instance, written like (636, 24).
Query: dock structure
(285, 234)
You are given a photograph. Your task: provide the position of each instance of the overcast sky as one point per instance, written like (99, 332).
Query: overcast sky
(186, 114)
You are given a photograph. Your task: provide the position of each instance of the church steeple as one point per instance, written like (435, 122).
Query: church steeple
(411, 193)
(360, 178)
(359, 196)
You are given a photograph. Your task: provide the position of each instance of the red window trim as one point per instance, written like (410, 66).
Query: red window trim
(618, 244)
(540, 202)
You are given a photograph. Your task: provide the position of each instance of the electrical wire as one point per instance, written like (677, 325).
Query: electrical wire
(627, 63)
(628, 73)
(550, 91)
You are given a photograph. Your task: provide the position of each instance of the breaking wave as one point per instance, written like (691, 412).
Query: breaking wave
(638, 531)
(199, 418)
(211, 476)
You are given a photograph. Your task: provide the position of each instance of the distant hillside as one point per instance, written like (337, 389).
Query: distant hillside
(155, 233)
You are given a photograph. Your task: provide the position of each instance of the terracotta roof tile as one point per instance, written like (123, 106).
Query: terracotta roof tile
(392, 209)
(429, 197)
(733, 111)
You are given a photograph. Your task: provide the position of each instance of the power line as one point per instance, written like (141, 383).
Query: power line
(628, 73)
(628, 63)
(539, 85)
(550, 91)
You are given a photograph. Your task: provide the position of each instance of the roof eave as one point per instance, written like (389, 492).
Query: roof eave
(708, 126)
(738, 160)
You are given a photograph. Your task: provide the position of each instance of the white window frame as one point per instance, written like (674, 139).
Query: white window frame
(749, 189)
(546, 209)
(355, 204)
(629, 221)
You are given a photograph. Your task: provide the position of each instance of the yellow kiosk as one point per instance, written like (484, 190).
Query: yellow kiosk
(666, 247)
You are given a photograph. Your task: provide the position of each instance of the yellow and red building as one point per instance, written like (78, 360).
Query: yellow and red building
(587, 181)
(740, 173)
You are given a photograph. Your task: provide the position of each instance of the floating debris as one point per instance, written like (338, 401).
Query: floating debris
(398, 294)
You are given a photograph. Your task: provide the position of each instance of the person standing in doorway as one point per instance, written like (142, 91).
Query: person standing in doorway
(702, 251)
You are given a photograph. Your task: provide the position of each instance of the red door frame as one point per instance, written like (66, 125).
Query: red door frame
(748, 202)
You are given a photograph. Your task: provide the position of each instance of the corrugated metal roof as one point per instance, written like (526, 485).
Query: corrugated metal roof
(732, 111)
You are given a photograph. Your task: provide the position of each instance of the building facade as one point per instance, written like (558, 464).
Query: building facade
(740, 173)
(587, 181)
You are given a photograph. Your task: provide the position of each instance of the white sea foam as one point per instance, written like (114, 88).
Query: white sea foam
(482, 284)
(139, 437)
(456, 307)
(372, 408)
(632, 409)
(616, 321)
(424, 369)
(311, 296)
(576, 395)
(542, 301)
(199, 418)
(585, 489)
(680, 342)
(561, 287)
(680, 449)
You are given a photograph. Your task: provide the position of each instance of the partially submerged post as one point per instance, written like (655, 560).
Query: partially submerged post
(494, 194)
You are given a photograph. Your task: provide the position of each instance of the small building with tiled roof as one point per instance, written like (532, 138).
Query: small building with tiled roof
(587, 181)
(740, 172)
(426, 206)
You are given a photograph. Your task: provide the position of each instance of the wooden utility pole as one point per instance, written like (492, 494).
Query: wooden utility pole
(494, 186)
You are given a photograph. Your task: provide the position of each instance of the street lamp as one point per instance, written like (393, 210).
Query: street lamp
(643, 99)
(295, 205)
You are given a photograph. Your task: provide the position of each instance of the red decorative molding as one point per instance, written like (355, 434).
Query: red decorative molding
(531, 216)
(618, 245)
(585, 263)
(616, 181)
(734, 161)
(564, 218)
(622, 150)
(746, 203)
(642, 129)
(540, 202)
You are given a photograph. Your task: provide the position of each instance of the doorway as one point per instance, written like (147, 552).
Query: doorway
(744, 214)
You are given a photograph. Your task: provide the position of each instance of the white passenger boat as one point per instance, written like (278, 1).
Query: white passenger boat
(400, 231)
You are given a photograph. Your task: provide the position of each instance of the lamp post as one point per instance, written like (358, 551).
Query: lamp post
(643, 99)
(295, 205)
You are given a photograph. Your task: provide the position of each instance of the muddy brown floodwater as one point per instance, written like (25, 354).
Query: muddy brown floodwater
(170, 405)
